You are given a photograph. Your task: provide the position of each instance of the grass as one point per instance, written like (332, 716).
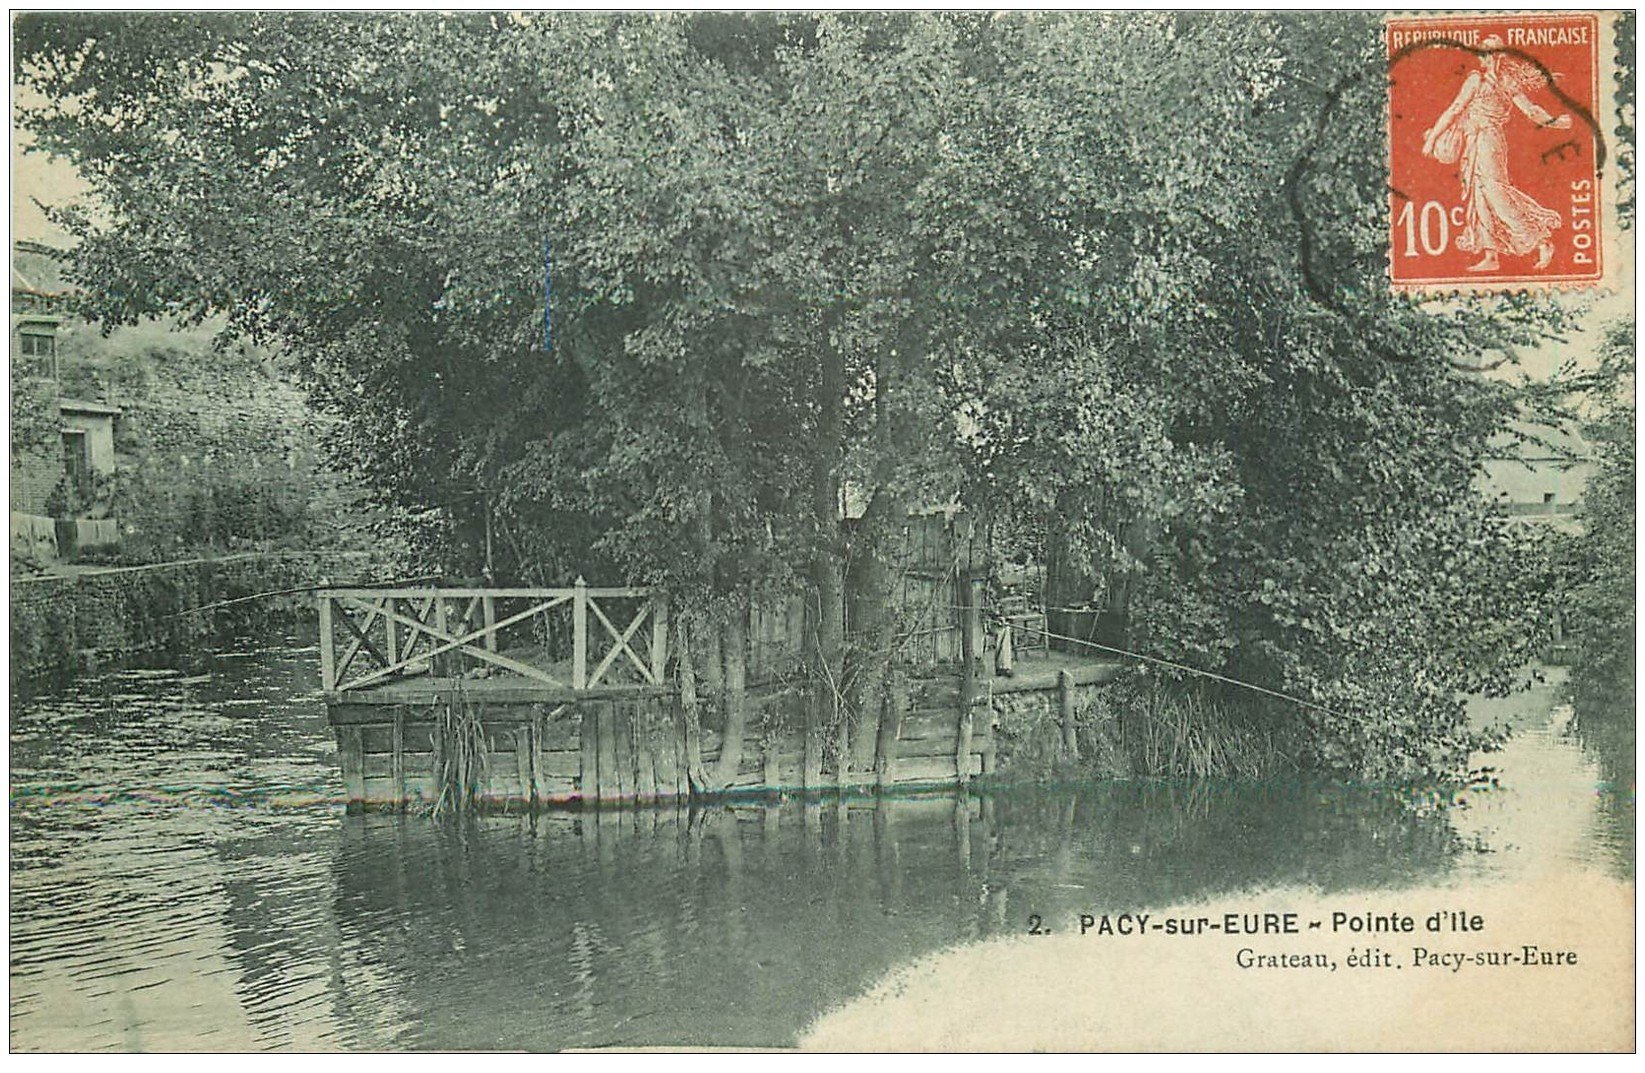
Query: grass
(460, 754)
(1168, 730)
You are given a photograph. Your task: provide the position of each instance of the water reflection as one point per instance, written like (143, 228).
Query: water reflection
(183, 876)
(734, 926)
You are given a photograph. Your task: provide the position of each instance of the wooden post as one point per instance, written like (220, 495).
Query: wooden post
(539, 768)
(971, 622)
(891, 716)
(666, 745)
(771, 773)
(579, 634)
(442, 664)
(351, 754)
(607, 767)
(523, 761)
(328, 654)
(659, 639)
(392, 648)
(399, 762)
(623, 733)
(589, 766)
(488, 609)
(968, 679)
(1065, 709)
(811, 761)
(645, 774)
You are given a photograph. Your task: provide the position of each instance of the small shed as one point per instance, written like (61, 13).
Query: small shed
(88, 444)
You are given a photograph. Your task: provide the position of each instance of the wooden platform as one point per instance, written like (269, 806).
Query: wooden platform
(545, 697)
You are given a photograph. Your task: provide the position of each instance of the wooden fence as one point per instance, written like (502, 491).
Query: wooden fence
(574, 638)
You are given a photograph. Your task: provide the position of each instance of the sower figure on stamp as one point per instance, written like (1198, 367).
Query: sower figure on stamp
(1498, 216)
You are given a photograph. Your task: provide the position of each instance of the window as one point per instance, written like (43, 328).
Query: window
(37, 345)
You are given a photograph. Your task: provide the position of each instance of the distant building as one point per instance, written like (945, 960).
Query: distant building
(1538, 474)
(57, 500)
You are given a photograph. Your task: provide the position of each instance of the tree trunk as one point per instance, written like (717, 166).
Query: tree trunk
(828, 619)
(709, 661)
(878, 561)
(690, 715)
(1069, 579)
(964, 596)
(828, 629)
(871, 580)
(734, 681)
(891, 716)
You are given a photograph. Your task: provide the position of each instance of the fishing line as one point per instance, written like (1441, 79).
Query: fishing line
(298, 589)
(1181, 667)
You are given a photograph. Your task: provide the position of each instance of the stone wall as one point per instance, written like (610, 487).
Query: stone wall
(63, 623)
(34, 474)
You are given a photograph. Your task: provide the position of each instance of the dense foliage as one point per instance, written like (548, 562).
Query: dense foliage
(1601, 603)
(1048, 263)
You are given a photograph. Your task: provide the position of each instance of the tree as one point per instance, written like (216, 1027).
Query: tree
(1601, 601)
(1052, 263)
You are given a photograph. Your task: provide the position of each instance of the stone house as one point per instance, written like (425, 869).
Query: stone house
(57, 475)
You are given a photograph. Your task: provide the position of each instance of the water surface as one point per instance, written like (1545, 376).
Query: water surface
(184, 877)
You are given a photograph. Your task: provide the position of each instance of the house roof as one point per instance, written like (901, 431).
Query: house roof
(83, 406)
(36, 270)
(1529, 442)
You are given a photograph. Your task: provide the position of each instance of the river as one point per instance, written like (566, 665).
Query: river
(183, 876)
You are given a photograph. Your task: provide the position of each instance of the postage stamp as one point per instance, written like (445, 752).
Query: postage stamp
(1496, 151)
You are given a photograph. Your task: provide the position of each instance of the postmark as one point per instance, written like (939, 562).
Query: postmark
(1496, 151)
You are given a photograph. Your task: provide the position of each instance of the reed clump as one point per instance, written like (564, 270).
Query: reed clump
(1179, 730)
(460, 754)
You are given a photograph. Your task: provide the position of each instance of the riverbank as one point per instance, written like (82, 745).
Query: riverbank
(1552, 974)
(1522, 941)
(63, 623)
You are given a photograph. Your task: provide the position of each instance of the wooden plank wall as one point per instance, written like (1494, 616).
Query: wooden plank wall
(630, 750)
(532, 755)
(937, 548)
(776, 637)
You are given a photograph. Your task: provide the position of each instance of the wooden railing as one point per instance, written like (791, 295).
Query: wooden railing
(541, 635)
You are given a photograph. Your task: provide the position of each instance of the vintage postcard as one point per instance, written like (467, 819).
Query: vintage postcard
(867, 531)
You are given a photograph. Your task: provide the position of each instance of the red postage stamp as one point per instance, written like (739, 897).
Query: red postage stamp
(1495, 151)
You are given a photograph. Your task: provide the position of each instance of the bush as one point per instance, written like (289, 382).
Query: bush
(1601, 602)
